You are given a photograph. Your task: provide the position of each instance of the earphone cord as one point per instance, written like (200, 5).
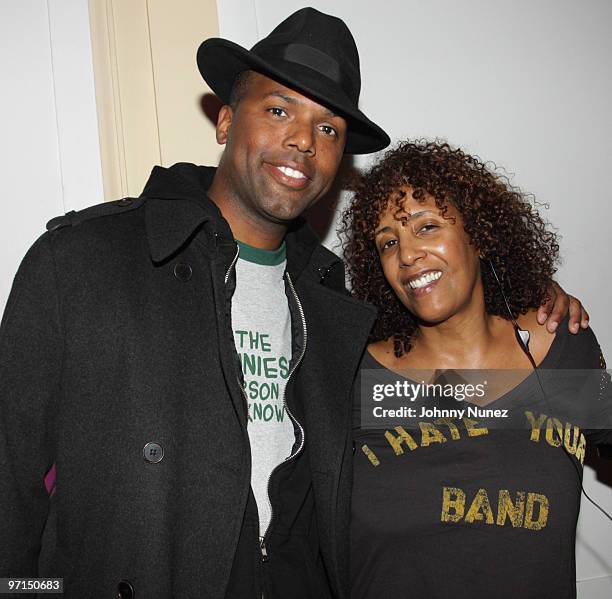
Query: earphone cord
(565, 451)
(525, 348)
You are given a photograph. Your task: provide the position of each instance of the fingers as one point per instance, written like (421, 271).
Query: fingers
(579, 317)
(551, 311)
(584, 321)
(558, 312)
(558, 304)
(575, 314)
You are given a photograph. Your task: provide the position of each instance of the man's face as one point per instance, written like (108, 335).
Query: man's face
(282, 150)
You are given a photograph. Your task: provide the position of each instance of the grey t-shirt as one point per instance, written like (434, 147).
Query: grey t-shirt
(261, 322)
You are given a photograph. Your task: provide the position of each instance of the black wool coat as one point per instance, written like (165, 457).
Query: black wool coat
(111, 341)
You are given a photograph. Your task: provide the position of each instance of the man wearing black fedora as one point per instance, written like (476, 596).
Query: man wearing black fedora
(185, 358)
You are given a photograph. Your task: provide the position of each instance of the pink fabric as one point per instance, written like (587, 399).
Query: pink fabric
(50, 480)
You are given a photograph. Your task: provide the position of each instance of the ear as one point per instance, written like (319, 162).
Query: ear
(224, 123)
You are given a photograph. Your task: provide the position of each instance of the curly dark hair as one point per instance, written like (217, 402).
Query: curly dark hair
(501, 222)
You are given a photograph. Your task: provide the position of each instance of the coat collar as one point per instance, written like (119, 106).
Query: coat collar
(177, 206)
(170, 224)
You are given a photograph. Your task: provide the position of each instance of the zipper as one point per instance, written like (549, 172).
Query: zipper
(264, 551)
(225, 280)
(262, 540)
(231, 266)
(262, 545)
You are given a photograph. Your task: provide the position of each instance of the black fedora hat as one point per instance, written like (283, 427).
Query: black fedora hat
(310, 52)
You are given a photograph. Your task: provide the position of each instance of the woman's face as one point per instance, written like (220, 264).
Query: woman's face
(428, 259)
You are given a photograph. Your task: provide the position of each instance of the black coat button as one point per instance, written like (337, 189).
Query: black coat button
(125, 590)
(153, 453)
(182, 271)
(125, 202)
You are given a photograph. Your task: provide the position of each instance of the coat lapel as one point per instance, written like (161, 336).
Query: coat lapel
(338, 329)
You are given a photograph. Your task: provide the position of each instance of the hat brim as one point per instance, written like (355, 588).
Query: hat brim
(220, 61)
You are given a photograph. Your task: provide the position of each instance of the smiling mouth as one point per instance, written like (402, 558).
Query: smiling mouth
(291, 172)
(426, 279)
(423, 283)
(288, 176)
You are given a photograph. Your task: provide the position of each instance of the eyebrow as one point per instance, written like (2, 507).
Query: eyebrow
(295, 101)
(410, 216)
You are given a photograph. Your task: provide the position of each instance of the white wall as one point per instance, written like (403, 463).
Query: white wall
(525, 84)
(49, 151)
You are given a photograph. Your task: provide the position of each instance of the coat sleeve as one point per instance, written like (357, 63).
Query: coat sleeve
(30, 370)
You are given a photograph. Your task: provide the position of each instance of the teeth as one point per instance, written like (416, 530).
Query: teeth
(291, 172)
(427, 278)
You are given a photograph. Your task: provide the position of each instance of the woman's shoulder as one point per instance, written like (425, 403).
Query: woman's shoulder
(562, 349)
(581, 350)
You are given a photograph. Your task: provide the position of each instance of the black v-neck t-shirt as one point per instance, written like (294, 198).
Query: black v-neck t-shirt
(475, 515)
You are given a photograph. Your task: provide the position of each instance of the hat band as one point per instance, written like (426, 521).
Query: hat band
(314, 59)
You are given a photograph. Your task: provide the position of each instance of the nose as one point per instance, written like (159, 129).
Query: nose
(411, 250)
(301, 136)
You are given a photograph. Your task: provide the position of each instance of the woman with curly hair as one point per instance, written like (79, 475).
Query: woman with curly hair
(446, 505)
